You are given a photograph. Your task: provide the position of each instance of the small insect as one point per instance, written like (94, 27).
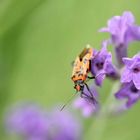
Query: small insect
(81, 69)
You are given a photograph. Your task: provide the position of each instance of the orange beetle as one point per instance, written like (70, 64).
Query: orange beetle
(81, 68)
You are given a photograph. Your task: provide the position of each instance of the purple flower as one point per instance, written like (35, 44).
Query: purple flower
(87, 107)
(129, 92)
(31, 123)
(101, 65)
(63, 126)
(132, 71)
(28, 121)
(123, 31)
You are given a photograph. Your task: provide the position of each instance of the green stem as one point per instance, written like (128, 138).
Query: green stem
(100, 122)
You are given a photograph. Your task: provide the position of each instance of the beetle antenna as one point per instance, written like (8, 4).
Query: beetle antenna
(68, 101)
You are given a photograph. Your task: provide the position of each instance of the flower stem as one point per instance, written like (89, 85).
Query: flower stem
(100, 122)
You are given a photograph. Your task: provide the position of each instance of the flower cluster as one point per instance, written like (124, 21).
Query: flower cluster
(130, 80)
(102, 66)
(123, 31)
(30, 122)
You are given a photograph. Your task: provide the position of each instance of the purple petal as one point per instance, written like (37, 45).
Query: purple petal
(130, 103)
(119, 95)
(113, 24)
(126, 76)
(128, 61)
(128, 17)
(86, 107)
(132, 70)
(132, 34)
(129, 92)
(132, 100)
(124, 91)
(136, 80)
(79, 103)
(88, 110)
(111, 71)
(100, 77)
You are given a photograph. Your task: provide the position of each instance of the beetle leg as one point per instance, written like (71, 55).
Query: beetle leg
(83, 95)
(92, 96)
(93, 77)
(88, 98)
(89, 78)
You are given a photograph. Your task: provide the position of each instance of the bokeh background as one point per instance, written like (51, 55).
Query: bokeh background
(38, 41)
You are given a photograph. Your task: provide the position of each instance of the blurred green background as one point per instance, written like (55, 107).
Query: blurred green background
(38, 41)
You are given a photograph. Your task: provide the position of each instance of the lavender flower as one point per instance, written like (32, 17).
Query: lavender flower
(28, 121)
(123, 31)
(132, 71)
(31, 123)
(63, 126)
(102, 65)
(87, 107)
(129, 92)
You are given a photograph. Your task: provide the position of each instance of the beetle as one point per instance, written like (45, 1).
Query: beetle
(81, 69)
